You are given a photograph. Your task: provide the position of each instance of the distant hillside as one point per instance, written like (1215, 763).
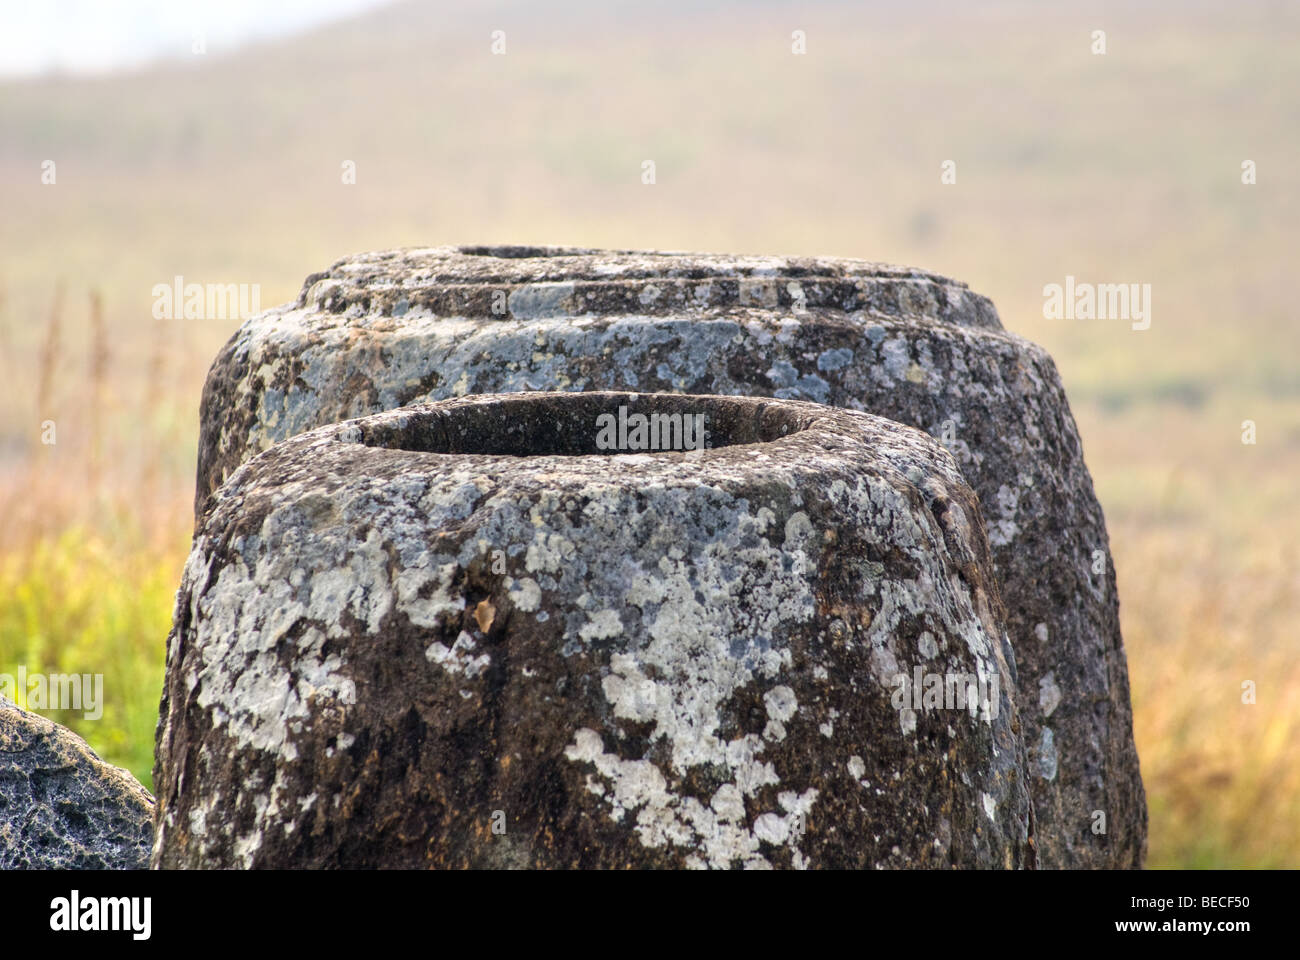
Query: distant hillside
(1122, 167)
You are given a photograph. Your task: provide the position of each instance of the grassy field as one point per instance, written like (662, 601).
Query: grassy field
(1123, 167)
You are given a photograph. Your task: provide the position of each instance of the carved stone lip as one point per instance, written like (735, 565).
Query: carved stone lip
(745, 437)
(525, 263)
(533, 282)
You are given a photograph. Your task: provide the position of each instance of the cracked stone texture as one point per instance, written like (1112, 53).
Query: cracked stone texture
(380, 330)
(392, 628)
(61, 807)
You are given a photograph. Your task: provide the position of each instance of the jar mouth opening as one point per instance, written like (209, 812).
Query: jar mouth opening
(582, 424)
(517, 252)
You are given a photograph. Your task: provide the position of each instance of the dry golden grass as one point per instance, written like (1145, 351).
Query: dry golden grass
(1221, 775)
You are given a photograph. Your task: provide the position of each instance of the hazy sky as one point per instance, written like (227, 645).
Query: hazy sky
(89, 36)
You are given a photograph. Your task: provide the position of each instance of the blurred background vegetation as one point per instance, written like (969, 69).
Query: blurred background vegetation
(1126, 167)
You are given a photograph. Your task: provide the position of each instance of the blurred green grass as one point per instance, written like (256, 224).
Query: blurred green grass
(77, 603)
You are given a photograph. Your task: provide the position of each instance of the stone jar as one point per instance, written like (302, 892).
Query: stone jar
(61, 806)
(380, 330)
(595, 630)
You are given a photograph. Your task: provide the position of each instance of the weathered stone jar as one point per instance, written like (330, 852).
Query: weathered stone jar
(63, 808)
(380, 330)
(551, 630)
